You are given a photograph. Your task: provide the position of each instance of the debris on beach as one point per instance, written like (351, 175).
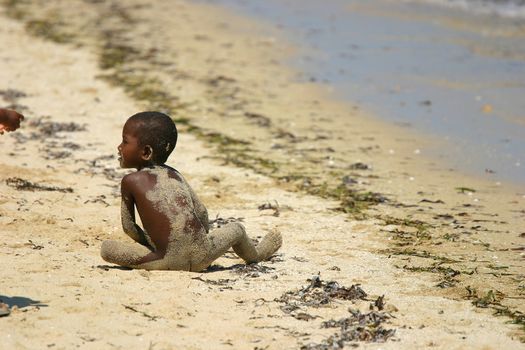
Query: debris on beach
(104, 165)
(25, 185)
(48, 129)
(34, 246)
(56, 150)
(251, 270)
(218, 221)
(359, 166)
(98, 199)
(244, 270)
(437, 201)
(48, 133)
(319, 293)
(220, 79)
(222, 283)
(466, 190)
(131, 308)
(270, 206)
(258, 119)
(348, 181)
(11, 96)
(359, 326)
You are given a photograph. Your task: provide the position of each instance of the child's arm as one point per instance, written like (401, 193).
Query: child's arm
(136, 258)
(9, 120)
(127, 211)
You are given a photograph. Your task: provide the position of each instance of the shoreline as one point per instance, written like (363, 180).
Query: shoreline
(438, 72)
(396, 168)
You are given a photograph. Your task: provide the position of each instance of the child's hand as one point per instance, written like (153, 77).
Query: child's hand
(9, 120)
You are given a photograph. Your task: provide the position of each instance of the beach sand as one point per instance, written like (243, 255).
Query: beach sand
(77, 72)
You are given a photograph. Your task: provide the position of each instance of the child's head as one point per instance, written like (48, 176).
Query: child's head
(155, 132)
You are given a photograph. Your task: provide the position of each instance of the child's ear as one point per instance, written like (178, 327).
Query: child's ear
(147, 153)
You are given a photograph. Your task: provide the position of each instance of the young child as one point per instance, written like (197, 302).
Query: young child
(9, 120)
(175, 233)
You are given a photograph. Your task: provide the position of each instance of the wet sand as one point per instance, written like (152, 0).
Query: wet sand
(377, 214)
(441, 72)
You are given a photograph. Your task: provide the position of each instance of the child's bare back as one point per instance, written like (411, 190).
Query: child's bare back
(175, 234)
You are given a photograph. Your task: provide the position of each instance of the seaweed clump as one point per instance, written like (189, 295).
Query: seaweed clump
(357, 327)
(48, 129)
(492, 300)
(352, 201)
(367, 327)
(25, 185)
(48, 29)
(319, 293)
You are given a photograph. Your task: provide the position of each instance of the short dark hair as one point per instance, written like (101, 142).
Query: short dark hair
(157, 130)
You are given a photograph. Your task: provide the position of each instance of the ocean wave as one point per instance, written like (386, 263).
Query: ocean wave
(514, 9)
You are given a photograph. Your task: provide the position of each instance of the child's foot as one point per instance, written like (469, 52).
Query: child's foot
(269, 244)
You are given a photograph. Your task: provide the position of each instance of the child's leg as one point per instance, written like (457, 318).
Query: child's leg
(234, 236)
(122, 253)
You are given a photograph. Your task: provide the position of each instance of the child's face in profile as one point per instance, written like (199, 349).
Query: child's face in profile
(129, 151)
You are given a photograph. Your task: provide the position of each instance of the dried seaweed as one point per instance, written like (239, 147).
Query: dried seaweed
(359, 166)
(48, 129)
(372, 319)
(24, 185)
(150, 317)
(219, 80)
(223, 283)
(98, 199)
(319, 293)
(357, 327)
(218, 221)
(57, 154)
(11, 95)
(244, 270)
(465, 190)
(251, 270)
(270, 206)
(367, 327)
(352, 201)
(438, 201)
(379, 303)
(258, 119)
(492, 299)
(303, 316)
(35, 246)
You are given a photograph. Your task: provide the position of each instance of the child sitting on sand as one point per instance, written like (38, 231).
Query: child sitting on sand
(175, 234)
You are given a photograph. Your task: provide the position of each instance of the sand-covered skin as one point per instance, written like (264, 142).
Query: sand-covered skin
(69, 297)
(190, 247)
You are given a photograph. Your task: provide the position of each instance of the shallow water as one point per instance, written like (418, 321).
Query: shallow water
(445, 71)
(503, 8)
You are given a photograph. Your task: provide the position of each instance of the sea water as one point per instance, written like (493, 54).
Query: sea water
(452, 69)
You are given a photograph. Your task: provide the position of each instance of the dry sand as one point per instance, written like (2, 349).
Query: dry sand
(65, 296)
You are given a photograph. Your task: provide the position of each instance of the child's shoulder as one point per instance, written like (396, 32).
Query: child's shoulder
(136, 176)
(146, 177)
(139, 180)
